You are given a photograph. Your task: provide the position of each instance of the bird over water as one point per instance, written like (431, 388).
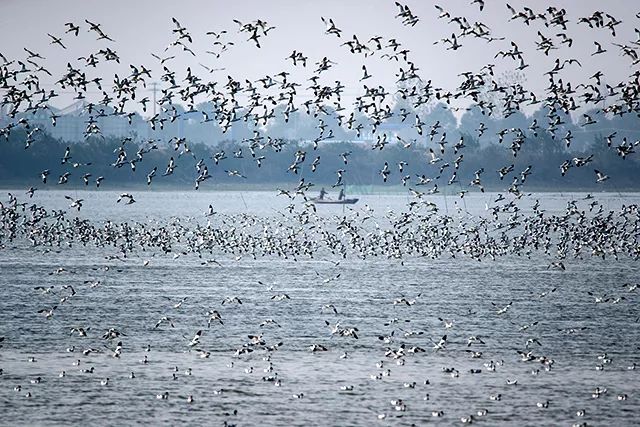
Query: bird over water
(462, 287)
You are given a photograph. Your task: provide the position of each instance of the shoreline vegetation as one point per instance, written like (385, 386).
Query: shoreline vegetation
(269, 169)
(273, 188)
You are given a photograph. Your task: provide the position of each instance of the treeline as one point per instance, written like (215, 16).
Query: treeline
(20, 166)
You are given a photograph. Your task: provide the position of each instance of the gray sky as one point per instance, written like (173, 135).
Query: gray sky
(142, 27)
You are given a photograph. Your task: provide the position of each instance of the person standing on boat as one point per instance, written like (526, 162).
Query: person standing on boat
(341, 195)
(322, 193)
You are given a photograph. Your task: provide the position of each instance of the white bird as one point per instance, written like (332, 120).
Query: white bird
(600, 177)
(75, 203)
(196, 339)
(440, 345)
(502, 310)
(48, 312)
(447, 323)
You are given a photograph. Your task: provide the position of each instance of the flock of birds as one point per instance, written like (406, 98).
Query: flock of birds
(232, 100)
(217, 241)
(583, 230)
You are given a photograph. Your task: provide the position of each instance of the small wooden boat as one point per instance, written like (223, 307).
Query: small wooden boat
(319, 201)
(341, 200)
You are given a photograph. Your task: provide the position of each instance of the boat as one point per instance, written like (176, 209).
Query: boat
(341, 200)
(319, 201)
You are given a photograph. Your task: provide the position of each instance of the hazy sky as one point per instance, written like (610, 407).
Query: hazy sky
(142, 27)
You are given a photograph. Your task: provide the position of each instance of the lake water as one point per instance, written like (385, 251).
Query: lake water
(564, 322)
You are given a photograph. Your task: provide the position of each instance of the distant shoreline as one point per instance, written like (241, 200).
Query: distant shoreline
(351, 190)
